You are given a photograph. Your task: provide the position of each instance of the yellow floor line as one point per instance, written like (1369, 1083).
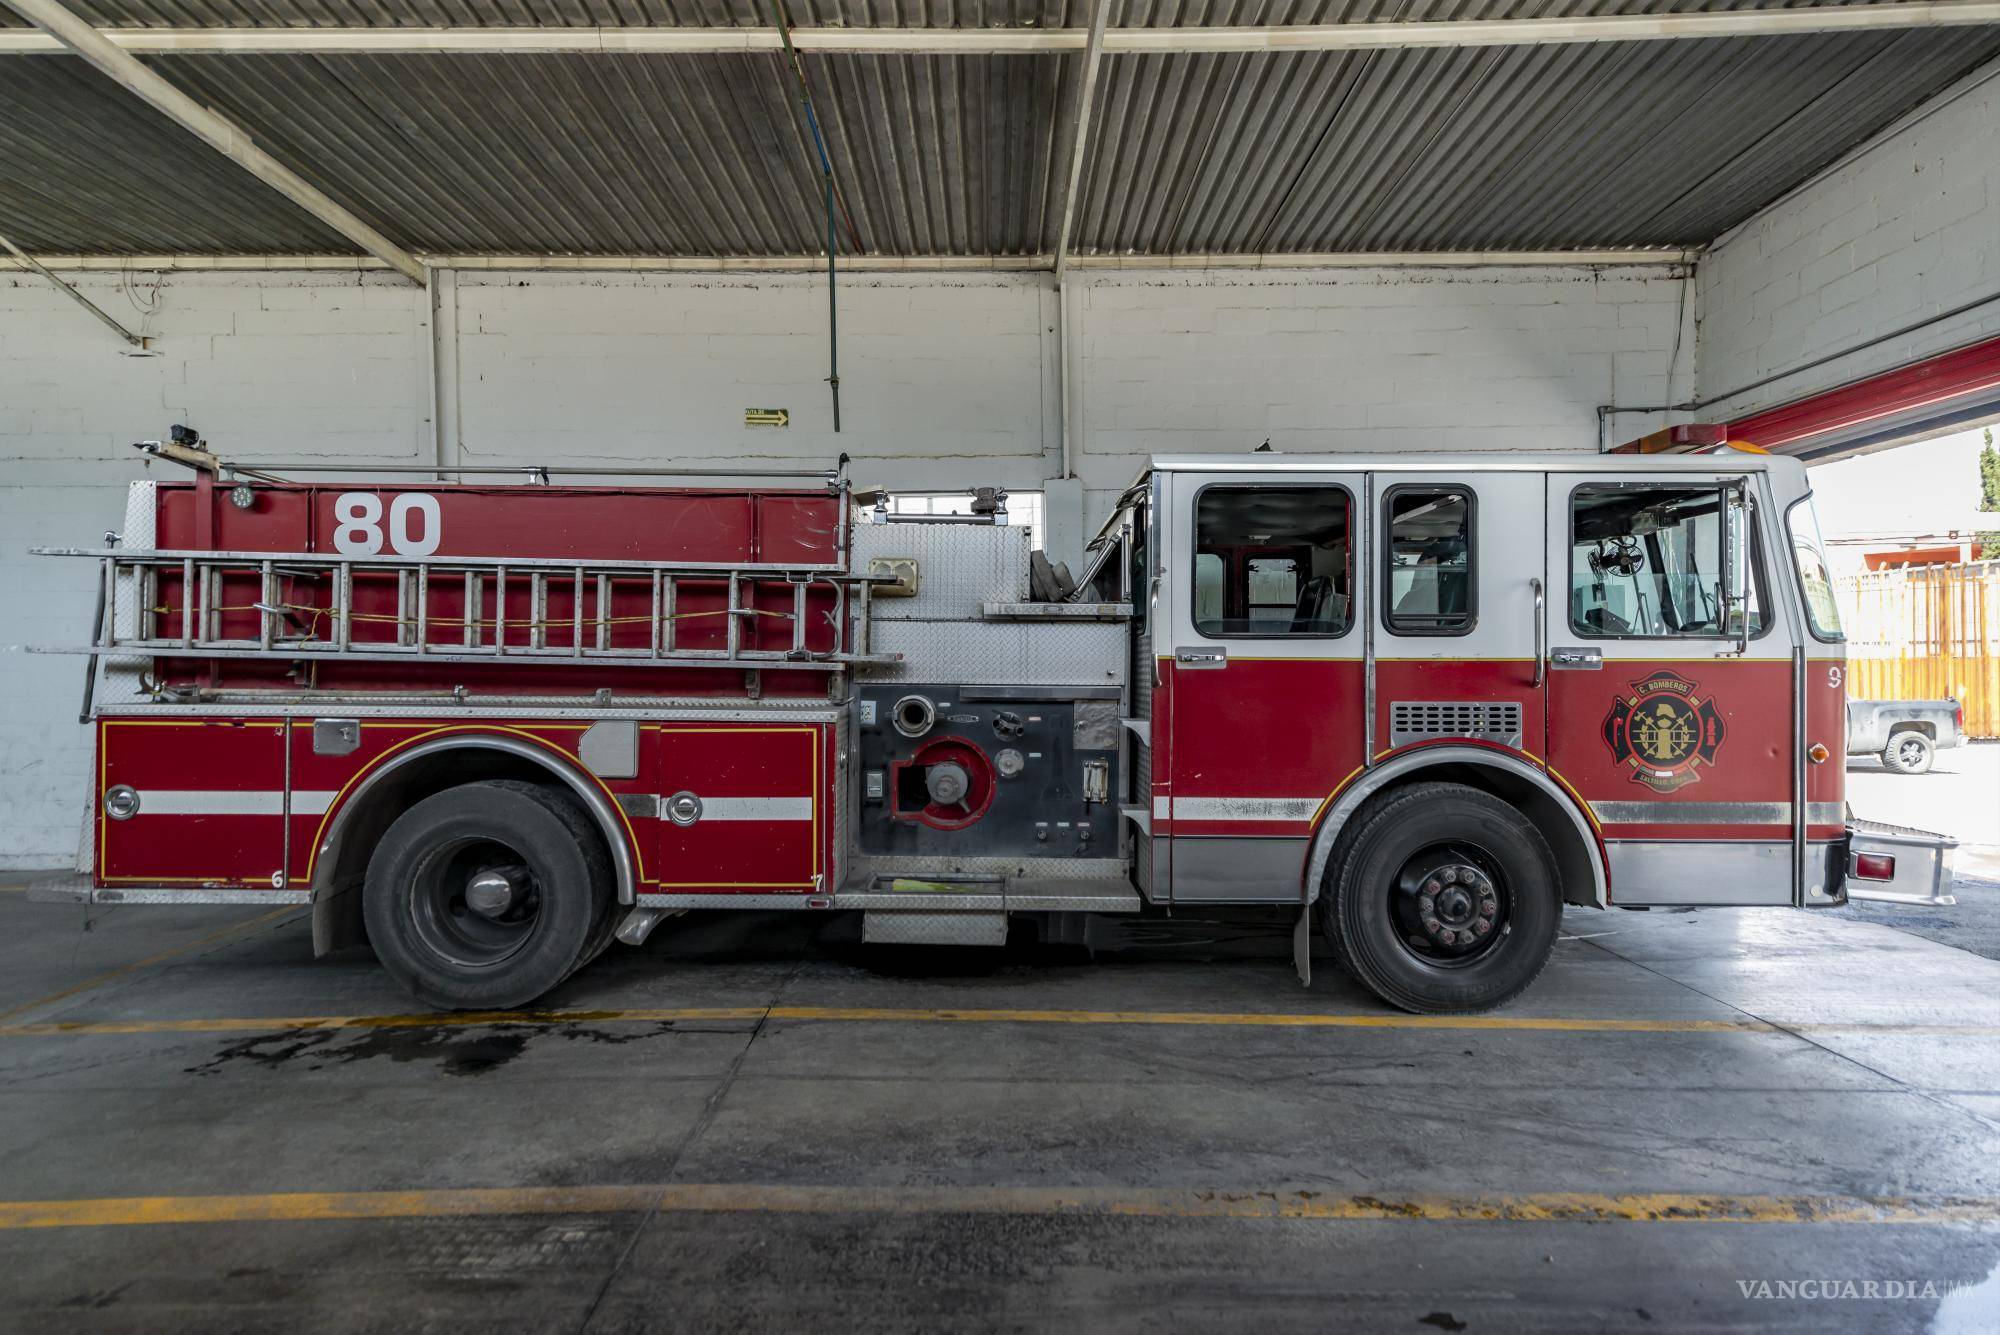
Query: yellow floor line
(112, 975)
(1534, 1207)
(922, 1015)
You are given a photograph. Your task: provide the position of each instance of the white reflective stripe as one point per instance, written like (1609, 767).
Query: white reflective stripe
(756, 808)
(217, 802)
(1294, 809)
(1713, 813)
(1160, 811)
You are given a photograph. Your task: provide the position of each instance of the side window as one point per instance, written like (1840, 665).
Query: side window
(1273, 561)
(1648, 562)
(1208, 588)
(1427, 575)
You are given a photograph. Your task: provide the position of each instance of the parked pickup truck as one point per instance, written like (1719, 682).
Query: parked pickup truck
(1905, 733)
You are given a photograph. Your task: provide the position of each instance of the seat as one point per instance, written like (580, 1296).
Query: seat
(1309, 612)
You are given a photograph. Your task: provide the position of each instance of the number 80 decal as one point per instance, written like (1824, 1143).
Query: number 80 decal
(358, 531)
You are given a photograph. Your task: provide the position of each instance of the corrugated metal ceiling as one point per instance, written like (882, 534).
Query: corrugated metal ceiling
(1542, 147)
(855, 13)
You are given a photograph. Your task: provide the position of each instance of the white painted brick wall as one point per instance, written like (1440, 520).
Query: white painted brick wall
(941, 378)
(948, 382)
(310, 366)
(1367, 359)
(1902, 230)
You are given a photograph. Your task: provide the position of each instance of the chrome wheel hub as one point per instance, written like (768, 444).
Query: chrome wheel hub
(494, 892)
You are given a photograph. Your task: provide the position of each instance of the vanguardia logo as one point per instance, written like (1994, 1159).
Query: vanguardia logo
(1850, 1290)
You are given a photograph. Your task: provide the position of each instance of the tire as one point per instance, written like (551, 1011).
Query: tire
(1908, 753)
(552, 864)
(1479, 860)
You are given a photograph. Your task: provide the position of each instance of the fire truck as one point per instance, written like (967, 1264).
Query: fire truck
(491, 725)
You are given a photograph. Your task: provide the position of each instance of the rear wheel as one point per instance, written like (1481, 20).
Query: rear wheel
(1909, 753)
(487, 895)
(1445, 899)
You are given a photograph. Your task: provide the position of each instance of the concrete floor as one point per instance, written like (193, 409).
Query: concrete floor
(1237, 1162)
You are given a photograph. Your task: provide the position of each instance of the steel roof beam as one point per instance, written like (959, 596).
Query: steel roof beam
(124, 69)
(693, 40)
(1424, 259)
(1086, 97)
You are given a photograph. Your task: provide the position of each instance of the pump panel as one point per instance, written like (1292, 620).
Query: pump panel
(981, 771)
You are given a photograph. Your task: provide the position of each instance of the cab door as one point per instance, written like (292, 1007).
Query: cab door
(1260, 673)
(1455, 625)
(1665, 716)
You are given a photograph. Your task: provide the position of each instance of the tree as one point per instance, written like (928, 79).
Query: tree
(1989, 491)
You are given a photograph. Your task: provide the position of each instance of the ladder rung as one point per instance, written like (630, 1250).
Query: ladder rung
(206, 612)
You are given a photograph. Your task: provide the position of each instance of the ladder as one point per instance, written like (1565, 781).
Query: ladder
(306, 607)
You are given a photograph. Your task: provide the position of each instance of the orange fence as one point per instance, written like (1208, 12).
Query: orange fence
(1924, 633)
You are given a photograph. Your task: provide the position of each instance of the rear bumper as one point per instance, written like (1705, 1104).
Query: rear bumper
(1922, 864)
(77, 889)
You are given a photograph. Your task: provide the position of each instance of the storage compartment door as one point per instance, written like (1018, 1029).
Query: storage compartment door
(743, 808)
(206, 802)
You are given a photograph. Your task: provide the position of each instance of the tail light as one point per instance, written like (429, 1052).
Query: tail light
(1875, 866)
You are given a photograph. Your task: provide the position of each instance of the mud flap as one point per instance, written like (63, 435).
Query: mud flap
(1302, 944)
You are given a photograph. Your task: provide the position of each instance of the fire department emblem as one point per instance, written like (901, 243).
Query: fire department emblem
(1664, 731)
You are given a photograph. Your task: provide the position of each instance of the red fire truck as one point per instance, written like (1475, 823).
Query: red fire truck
(1428, 701)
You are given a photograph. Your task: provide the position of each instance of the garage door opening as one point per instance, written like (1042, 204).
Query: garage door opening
(1913, 536)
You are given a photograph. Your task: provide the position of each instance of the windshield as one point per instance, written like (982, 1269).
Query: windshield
(1815, 576)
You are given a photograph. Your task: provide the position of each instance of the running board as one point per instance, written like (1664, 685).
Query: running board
(78, 889)
(901, 927)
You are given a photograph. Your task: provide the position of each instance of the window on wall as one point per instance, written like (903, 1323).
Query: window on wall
(1024, 508)
(1273, 561)
(1647, 562)
(1427, 578)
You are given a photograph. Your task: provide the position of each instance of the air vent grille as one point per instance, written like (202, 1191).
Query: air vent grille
(1423, 720)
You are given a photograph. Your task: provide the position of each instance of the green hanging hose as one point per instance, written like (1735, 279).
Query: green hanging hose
(826, 172)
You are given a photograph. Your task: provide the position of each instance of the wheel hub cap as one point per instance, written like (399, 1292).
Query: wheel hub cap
(1457, 905)
(494, 892)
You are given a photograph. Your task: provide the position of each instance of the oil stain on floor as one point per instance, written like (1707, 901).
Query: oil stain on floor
(455, 1049)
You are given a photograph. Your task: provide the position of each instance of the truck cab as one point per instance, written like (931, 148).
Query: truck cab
(1435, 700)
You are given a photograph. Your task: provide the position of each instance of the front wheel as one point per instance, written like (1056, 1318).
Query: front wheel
(1909, 753)
(1445, 900)
(486, 896)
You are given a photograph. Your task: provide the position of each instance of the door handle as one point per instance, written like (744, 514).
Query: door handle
(1541, 630)
(1202, 658)
(1576, 658)
(1153, 627)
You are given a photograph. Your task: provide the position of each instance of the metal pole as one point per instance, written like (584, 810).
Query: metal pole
(74, 295)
